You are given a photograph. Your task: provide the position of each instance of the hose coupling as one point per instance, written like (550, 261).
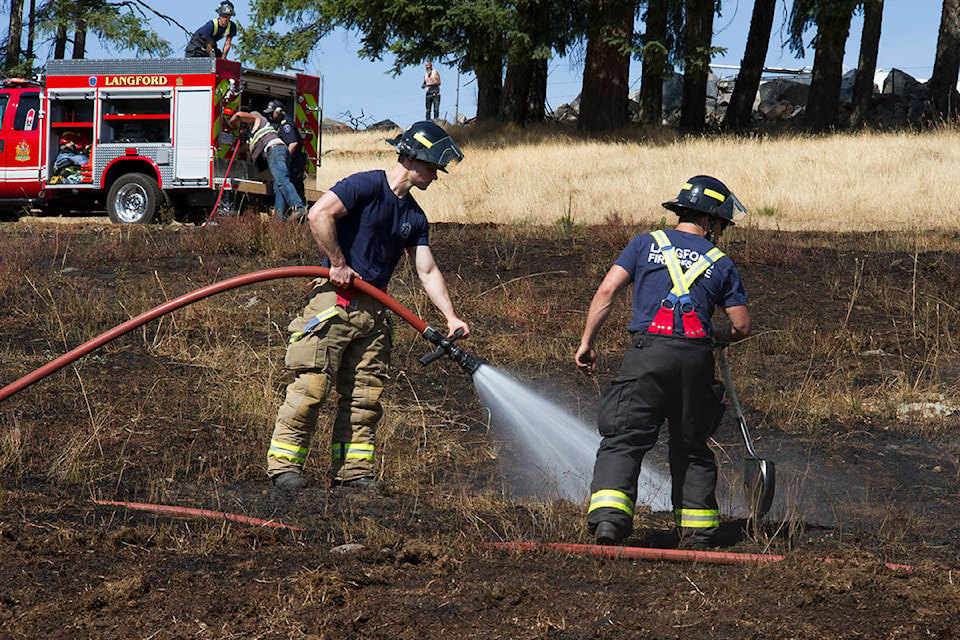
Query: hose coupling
(446, 347)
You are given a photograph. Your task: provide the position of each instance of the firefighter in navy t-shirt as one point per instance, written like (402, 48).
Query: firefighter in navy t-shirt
(342, 339)
(203, 42)
(678, 277)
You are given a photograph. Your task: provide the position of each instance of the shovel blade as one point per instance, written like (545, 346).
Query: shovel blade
(759, 478)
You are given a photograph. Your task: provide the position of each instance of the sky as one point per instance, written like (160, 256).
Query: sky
(365, 89)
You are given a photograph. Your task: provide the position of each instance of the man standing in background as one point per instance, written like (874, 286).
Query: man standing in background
(431, 82)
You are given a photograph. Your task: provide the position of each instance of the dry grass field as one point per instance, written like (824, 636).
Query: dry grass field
(849, 385)
(896, 181)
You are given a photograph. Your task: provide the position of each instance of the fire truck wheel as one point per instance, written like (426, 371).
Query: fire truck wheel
(133, 199)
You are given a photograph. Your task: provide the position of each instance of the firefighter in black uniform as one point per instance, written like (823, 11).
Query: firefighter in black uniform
(290, 135)
(203, 42)
(678, 277)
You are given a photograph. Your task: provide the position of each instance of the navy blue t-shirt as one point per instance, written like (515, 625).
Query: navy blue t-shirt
(643, 260)
(378, 227)
(212, 30)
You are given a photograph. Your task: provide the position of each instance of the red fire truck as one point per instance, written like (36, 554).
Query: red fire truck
(133, 135)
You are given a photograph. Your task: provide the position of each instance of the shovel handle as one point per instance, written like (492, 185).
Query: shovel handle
(728, 381)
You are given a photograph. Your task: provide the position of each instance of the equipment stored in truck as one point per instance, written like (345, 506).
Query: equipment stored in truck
(131, 136)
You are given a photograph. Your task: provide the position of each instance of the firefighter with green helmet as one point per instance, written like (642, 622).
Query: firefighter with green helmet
(342, 339)
(679, 276)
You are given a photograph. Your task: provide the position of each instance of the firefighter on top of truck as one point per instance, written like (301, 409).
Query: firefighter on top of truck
(203, 43)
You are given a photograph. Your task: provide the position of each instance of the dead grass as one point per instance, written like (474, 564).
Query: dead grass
(844, 182)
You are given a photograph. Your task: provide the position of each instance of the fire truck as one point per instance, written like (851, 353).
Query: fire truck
(135, 136)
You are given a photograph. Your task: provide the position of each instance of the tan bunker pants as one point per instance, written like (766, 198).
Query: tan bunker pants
(348, 348)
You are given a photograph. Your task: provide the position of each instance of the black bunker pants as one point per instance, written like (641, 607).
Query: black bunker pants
(661, 378)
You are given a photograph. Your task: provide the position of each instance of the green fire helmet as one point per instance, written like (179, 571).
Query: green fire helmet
(226, 9)
(427, 142)
(706, 195)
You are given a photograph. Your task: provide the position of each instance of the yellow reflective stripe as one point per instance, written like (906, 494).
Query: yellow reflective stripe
(284, 451)
(422, 139)
(700, 266)
(683, 280)
(323, 316)
(611, 499)
(686, 186)
(716, 195)
(259, 133)
(697, 518)
(673, 265)
(352, 451)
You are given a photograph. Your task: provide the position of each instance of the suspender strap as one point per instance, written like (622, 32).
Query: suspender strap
(680, 293)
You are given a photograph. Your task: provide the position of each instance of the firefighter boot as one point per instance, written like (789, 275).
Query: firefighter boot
(607, 534)
(290, 480)
(363, 482)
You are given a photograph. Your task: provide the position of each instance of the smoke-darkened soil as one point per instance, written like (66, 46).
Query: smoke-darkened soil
(848, 386)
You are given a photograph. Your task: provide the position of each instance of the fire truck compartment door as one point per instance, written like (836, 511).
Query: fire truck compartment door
(193, 134)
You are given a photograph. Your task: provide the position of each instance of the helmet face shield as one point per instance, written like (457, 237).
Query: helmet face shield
(426, 142)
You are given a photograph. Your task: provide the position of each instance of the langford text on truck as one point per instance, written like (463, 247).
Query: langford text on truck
(130, 135)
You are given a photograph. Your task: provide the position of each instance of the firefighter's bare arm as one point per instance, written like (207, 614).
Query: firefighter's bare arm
(226, 47)
(436, 287)
(615, 280)
(244, 117)
(739, 325)
(322, 219)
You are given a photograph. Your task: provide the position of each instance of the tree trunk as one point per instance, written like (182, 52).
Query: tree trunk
(31, 29)
(867, 66)
(946, 66)
(80, 40)
(740, 112)
(537, 95)
(16, 29)
(489, 86)
(606, 73)
(516, 88)
(698, 33)
(60, 43)
(654, 63)
(823, 103)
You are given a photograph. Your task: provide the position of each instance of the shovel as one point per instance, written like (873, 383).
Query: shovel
(759, 475)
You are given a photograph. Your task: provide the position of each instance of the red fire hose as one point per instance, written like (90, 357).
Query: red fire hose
(644, 553)
(258, 276)
(190, 512)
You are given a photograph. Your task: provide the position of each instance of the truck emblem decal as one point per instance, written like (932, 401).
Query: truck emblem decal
(92, 81)
(23, 151)
(179, 81)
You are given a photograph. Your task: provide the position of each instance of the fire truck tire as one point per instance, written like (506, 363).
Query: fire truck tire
(134, 198)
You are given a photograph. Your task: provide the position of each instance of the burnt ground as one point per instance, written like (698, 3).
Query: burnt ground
(855, 338)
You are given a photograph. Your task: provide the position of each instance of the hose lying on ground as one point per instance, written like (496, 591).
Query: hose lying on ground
(190, 512)
(644, 553)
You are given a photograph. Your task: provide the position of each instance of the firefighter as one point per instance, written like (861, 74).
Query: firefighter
(290, 135)
(678, 277)
(267, 146)
(343, 338)
(203, 42)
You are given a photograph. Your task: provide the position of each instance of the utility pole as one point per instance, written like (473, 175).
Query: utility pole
(456, 107)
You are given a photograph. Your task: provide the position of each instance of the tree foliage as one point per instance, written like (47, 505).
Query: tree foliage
(119, 25)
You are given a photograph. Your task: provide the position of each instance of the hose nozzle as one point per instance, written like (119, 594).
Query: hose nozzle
(446, 347)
